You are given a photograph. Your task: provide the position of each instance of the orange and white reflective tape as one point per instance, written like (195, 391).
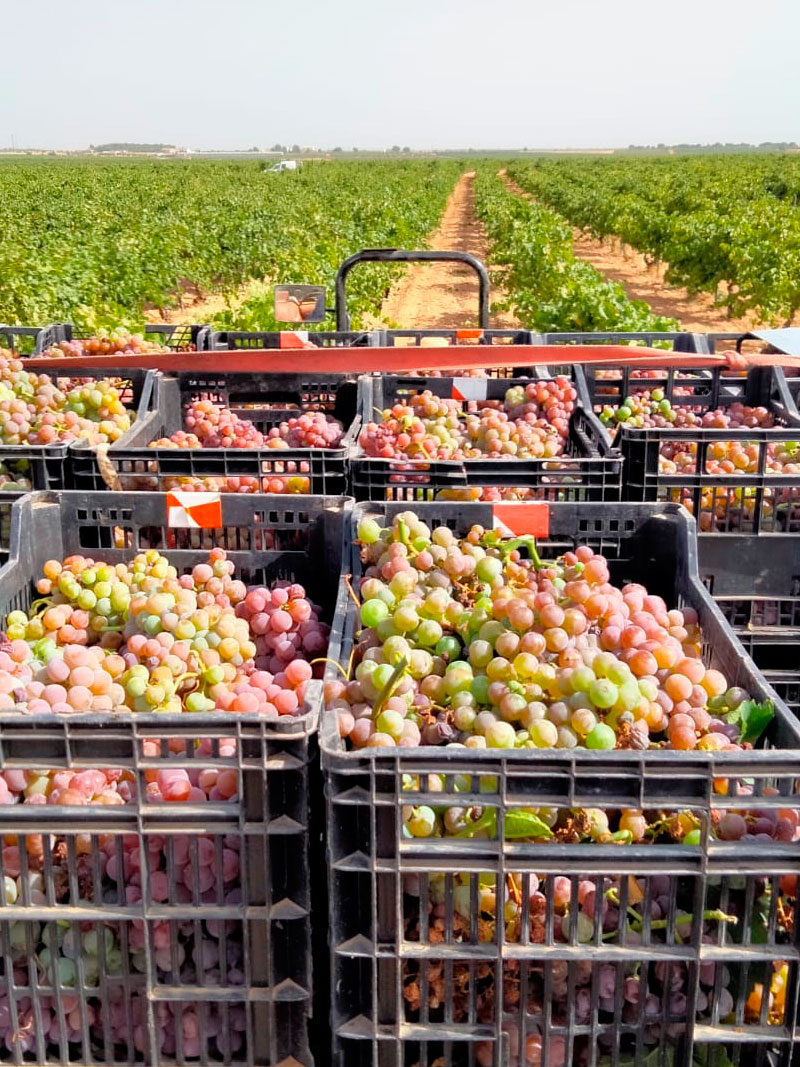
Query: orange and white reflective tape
(469, 388)
(294, 339)
(194, 511)
(528, 519)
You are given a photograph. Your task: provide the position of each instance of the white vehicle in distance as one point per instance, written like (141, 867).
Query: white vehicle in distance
(285, 164)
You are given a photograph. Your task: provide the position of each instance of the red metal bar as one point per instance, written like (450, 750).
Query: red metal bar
(408, 360)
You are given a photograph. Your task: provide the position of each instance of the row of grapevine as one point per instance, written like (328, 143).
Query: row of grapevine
(548, 287)
(96, 244)
(728, 226)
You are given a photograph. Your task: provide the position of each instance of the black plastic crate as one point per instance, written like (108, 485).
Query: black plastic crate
(183, 337)
(50, 466)
(588, 470)
(232, 340)
(221, 959)
(465, 338)
(28, 340)
(680, 341)
(264, 399)
(757, 587)
(411, 991)
(763, 341)
(722, 502)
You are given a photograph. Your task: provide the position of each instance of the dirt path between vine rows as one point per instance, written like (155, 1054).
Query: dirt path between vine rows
(644, 281)
(440, 295)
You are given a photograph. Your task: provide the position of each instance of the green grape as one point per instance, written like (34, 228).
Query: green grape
(420, 663)
(369, 531)
(396, 649)
(381, 676)
(135, 686)
(692, 837)
(406, 619)
(490, 631)
(448, 646)
(391, 723)
(601, 737)
(429, 632)
(403, 583)
(197, 702)
(525, 665)
(648, 687)
(584, 927)
(489, 568)
(86, 599)
(479, 688)
(435, 604)
(629, 694)
(103, 606)
(501, 735)
(458, 677)
(372, 612)
(422, 821)
(464, 718)
(603, 693)
(544, 733)
(386, 629)
(498, 669)
(480, 653)
(155, 694)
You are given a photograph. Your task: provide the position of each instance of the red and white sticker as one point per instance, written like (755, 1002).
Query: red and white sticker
(469, 389)
(522, 519)
(294, 339)
(194, 511)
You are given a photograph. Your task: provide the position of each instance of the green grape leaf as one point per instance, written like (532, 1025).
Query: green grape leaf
(525, 824)
(753, 719)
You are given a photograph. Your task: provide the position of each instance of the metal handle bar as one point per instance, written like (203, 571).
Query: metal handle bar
(405, 255)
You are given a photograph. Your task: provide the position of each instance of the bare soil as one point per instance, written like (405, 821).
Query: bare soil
(442, 295)
(643, 280)
(198, 306)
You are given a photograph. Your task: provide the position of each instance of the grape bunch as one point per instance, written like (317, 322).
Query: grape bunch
(465, 641)
(38, 410)
(652, 408)
(141, 637)
(106, 343)
(208, 425)
(532, 422)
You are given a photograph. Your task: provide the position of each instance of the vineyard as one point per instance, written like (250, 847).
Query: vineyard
(97, 244)
(110, 243)
(727, 225)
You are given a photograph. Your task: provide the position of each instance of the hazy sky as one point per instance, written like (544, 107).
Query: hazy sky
(426, 73)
